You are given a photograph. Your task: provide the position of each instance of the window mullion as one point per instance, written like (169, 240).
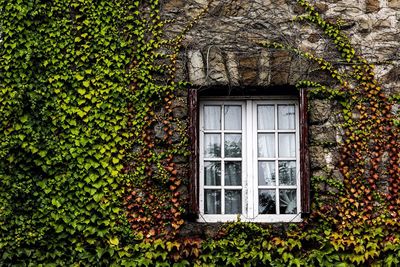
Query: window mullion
(276, 158)
(222, 159)
(250, 159)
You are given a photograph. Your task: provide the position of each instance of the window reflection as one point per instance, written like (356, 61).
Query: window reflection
(233, 145)
(287, 201)
(266, 202)
(212, 173)
(233, 201)
(287, 172)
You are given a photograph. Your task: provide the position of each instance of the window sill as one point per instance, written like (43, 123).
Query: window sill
(286, 218)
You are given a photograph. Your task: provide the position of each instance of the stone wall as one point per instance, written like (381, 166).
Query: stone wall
(221, 50)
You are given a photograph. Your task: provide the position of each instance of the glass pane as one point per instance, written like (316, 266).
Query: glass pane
(287, 172)
(233, 117)
(287, 146)
(233, 201)
(287, 201)
(266, 202)
(212, 117)
(286, 117)
(266, 145)
(212, 203)
(233, 173)
(233, 145)
(212, 145)
(266, 173)
(265, 117)
(212, 173)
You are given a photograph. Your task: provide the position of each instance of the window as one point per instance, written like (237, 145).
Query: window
(249, 160)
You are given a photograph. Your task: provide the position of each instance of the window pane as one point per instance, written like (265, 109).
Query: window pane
(266, 145)
(212, 173)
(212, 117)
(212, 203)
(287, 146)
(266, 173)
(266, 117)
(233, 145)
(287, 172)
(287, 201)
(266, 202)
(233, 201)
(212, 145)
(286, 117)
(233, 173)
(233, 117)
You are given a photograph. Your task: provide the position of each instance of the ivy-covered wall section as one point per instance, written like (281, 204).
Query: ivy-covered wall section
(93, 144)
(77, 93)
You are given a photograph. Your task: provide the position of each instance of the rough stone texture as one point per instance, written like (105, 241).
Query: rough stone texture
(324, 135)
(179, 108)
(248, 69)
(264, 77)
(317, 157)
(233, 69)
(216, 72)
(280, 67)
(320, 110)
(395, 4)
(372, 6)
(197, 74)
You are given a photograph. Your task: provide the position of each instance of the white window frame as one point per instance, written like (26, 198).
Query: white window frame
(249, 161)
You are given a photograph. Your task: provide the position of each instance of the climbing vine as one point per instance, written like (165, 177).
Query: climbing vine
(90, 148)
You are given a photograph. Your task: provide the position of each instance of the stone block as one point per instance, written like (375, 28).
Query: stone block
(233, 69)
(179, 108)
(264, 76)
(372, 6)
(299, 69)
(197, 75)
(174, 6)
(323, 134)
(159, 131)
(320, 110)
(395, 4)
(216, 72)
(280, 67)
(393, 75)
(248, 69)
(365, 25)
(321, 7)
(317, 158)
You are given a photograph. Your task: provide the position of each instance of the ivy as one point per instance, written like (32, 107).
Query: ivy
(69, 71)
(87, 179)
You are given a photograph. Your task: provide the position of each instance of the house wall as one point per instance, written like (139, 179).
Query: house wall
(221, 50)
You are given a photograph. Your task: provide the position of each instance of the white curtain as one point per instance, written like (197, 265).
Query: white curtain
(212, 117)
(266, 117)
(212, 173)
(266, 145)
(286, 117)
(233, 117)
(287, 145)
